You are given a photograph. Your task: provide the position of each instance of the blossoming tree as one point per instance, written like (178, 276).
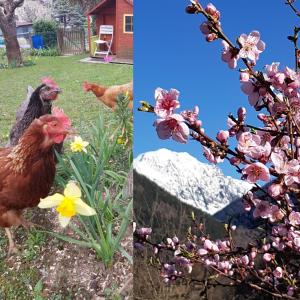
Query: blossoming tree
(269, 153)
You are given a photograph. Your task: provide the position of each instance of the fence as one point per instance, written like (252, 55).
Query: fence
(68, 41)
(71, 41)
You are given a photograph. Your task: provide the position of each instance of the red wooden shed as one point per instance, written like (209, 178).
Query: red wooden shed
(118, 13)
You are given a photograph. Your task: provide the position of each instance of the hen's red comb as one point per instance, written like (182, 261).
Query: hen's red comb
(86, 86)
(49, 82)
(62, 117)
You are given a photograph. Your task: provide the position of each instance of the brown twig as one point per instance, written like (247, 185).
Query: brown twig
(291, 5)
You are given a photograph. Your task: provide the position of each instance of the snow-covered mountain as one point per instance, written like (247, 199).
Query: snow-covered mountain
(195, 183)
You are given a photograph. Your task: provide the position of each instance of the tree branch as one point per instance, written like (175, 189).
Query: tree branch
(290, 4)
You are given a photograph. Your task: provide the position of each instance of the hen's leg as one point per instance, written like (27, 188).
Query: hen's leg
(12, 249)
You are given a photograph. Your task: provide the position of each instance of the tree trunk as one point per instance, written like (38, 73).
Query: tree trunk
(9, 30)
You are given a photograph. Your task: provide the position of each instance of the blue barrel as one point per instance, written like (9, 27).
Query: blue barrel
(37, 42)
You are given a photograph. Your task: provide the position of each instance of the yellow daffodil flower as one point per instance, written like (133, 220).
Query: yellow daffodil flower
(121, 140)
(67, 205)
(79, 145)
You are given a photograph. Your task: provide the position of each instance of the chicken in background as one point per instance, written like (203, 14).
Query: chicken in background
(108, 95)
(27, 170)
(40, 103)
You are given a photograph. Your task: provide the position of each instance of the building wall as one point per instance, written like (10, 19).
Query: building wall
(124, 40)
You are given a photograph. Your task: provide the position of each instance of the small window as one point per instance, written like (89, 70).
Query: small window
(128, 23)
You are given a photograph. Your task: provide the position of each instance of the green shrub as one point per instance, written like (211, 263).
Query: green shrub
(45, 52)
(48, 30)
(27, 59)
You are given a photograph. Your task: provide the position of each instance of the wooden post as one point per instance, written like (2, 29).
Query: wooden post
(89, 33)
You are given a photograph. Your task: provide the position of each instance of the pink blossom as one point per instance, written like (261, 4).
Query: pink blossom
(294, 218)
(266, 247)
(297, 242)
(224, 265)
(272, 69)
(267, 257)
(208, 245)
(202, 252)
(166, 102)
(291, 290)
(229, 55)
(291, 168)
(278, 272)
(244, 76)
(192, 116)
(173, 126)
(251, 45)
(253, 91)
(223, 136)
(211, 10)
(211, 157)
(250, 144)
(276, 214)
(279, 230)
(275, 190)
(245, 259)
(256, 171)
(262, 209)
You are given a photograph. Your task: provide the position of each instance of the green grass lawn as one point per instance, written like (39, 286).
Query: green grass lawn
(19, 276)
(69, 73)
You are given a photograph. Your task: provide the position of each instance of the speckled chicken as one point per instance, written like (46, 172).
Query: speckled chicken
(40, 103)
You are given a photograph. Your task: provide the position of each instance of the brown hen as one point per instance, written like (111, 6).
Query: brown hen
(108, 95)
(27, 170)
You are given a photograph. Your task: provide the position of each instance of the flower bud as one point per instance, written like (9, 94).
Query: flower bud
(223, 136)
(267, 257)
(210, 9)
(234, 161)
(204, 28)
(211, 37)
(244, 76)
(241, 114)
(190, 9)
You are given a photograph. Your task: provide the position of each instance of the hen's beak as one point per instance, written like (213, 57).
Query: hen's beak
(70, 131)
(58, 91)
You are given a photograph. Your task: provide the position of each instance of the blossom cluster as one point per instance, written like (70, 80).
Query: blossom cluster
(268, 153)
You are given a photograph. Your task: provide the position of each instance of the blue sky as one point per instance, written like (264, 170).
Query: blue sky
(171, 52)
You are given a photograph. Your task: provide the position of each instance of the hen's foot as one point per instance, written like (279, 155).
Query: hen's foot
(12, 250)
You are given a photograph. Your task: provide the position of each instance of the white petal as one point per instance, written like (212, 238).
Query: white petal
(72, 190)
(254, 37)
(63, 221)
(51, 201)
(83, 209)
